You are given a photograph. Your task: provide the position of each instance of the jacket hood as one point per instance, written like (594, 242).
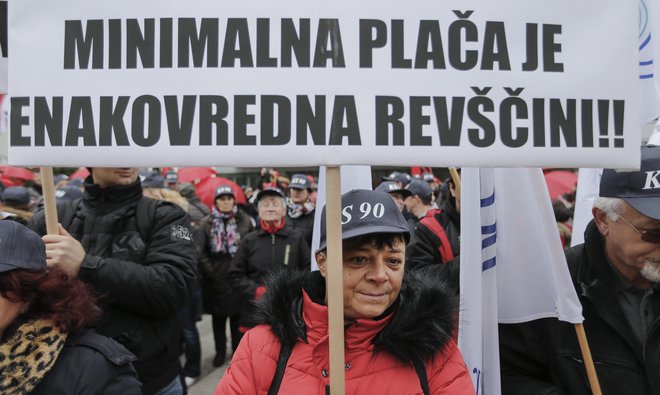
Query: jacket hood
(424, 315)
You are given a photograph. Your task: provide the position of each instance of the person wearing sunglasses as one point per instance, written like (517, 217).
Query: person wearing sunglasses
(616, 273)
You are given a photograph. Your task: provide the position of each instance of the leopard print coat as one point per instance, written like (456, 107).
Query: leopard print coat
(28, 355)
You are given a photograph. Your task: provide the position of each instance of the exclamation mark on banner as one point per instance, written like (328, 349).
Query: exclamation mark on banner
(604, 122)
(619, 106)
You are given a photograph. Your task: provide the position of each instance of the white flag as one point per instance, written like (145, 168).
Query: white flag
(352, 177)
(512, 264)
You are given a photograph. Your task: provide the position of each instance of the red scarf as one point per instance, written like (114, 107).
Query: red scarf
(270, 228)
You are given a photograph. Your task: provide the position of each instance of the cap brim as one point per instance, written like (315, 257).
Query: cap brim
(368, 230)
(649, 206)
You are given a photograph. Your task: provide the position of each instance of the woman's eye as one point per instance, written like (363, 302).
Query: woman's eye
(394, 261)
(359, 259)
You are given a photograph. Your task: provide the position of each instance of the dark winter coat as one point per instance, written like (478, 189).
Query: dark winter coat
(379, 352)
(218, 294)
(424, 247)
(261, 253)
(143, 284)
(543, 356)
(90, 364)
(304, 225)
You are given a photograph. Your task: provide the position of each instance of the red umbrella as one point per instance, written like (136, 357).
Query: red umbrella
(195, 175)
(560, 182)
(206, 190)
(81, 173)
(19, 173)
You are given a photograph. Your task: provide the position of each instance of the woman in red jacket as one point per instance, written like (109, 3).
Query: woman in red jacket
(398, 336)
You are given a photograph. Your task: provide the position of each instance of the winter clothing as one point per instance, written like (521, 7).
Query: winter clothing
(379, 352)
(143, 284)
(259, 254)
(424, 247)
(218, 292)
(38, 359)
(543, 356)
(300, 217)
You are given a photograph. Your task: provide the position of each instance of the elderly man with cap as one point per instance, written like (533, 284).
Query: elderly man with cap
(223, 231)
(300, 213)
(616, 274)
(397, 325)
(274, 245)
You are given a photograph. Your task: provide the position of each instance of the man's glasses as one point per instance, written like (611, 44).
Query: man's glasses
(647, 235)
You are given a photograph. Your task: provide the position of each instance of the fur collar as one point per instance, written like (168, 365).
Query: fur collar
(423, 321)
(28, 355)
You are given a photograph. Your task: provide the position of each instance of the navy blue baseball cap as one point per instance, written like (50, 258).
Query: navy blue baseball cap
(421, 189)
(224, 190)
(365, 212)
(152, 179)
(270, 191)
(20, 248)
(391, 186)
(403, 178)
(300, 181)
(16, 196)
(640, 189)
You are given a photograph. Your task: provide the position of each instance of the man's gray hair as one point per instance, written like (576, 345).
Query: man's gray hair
(611, 206)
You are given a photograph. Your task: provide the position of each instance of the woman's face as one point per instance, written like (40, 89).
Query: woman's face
(372, 278)
(225, 203)
(9, 311)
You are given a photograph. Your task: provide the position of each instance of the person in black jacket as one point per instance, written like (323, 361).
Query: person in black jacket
(222, 233)
(616, 274)
(300, 213)
(145, 280)
(45, 345)
(436, 241)
(273, 246)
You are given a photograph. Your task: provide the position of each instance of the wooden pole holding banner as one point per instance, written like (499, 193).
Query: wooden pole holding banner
(457, 180)
(334, 280)
(588, 361)
(48, 191)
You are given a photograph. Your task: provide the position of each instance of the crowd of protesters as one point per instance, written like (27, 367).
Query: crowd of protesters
(149, 258)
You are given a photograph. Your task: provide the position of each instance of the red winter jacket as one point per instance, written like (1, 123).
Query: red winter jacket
(371, 346)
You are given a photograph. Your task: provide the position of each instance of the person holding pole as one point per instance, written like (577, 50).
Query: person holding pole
(138, 255)
(616, 273)
(398, 324)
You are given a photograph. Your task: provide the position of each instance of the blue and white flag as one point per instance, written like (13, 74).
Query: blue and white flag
(352, 177)
(513, 267)
(649, 49)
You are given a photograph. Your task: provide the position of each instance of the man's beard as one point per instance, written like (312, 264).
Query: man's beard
(651, 271)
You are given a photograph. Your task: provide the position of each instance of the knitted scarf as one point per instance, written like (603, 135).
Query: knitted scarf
(28, 355)
(298, 210)
(224, 232)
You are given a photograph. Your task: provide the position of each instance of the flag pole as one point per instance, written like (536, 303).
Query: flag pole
(588, 361)
(48, 191)
(334, 280)
(456, 178)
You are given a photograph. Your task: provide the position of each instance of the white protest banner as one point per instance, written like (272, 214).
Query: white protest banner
(300, 83)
